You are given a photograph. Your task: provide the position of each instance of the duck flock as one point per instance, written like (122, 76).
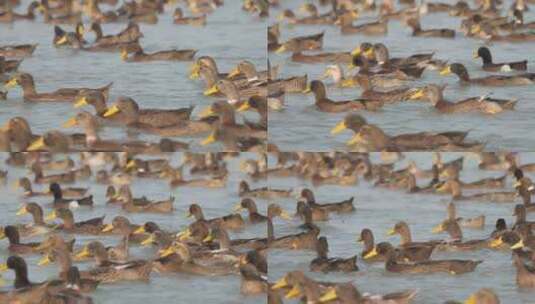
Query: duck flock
(272, 151)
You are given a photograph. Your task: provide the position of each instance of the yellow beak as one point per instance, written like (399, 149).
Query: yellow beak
(438, 229)
(208, 238)
(518, 245)
(22, 211)
(139, 230)
(244, 107)
(417, 95)
(211, 91)
(471, 300)
(184, 235)
(108, 227)
(83, 254)
(11, 83)
(208, 111)
(280, 284)
(475, 55)
(357, 138)
(124, 55)
(131, 164)
(38, 144)
(371, 254)
(112, 111)
(341, 126)
(356, 51)
(308, 89)
(238, 207)
(285, 216)
(281, 49)
(330, 295)
(234, 72)
(293, 293)
(62, 40)
(446, 71)
(148, 241)
(70, 123)
(44, 261)
(194, 72)
(496, 243)
(51, 216)
(3, 267)
(348, 83)
(81, 102)
(208, 140)
(391, 232)
(166, 252)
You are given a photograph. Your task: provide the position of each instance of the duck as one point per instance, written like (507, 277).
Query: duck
(130, 34)
(347, 293)
(127, 110)
(520, 213)
(299, 241)
(290, 17)
(483, 104)
(60, 202)
(74, 39)
(402, 228)
(302, 43)
(176, 179)
(249, 205)
(109, 272)
(38, 226)
(232, 221)
(245, 190)
(17, 50)
(9, 66)
(92, 226)
(26, 185)
(483, 295)
(376, 139)
(456, 241)
(454, 188)
(525, 276)
(180, 19)
(252, 282)
(164, 206)
(168, 55)
(15, 246)
(322, 263)
(40, 178)
(386, 96)
(476, 222)
(417, 30)
(345, 206)
(30, 94)
(318, 214)
(493, 80)
(454, 267)
(345, 22)
(324, 104)
(489, 66)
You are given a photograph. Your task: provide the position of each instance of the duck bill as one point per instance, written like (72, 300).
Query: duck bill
(131, 164)
(244, 107)
(51, 216)
(208, 140)
(369, 54)
(371, 254)
(166, 252)
(330, 295)
(437, 229)
(475, 55)
(44, 261)
(496, 243)
(70, 123)
(22, 211)
(61, 40)
(285, 216)
(356, 51)
(107, 228)
(281, 49)
(308, 89)
(124, 55)
(139, 230)
(445, 71)
(391, 232)
(293, 293)
(208, 238)
(11, 83)
(416, 95)
(355, 140)
(280, 284)
(235, 72)
(3, 267)
(184, 235)
(206, 112)
(194, 72)
(348, 83)
(38, 144)
(81, 102)
(341, 126)
(148, 241)
(111, 111)
(211, 91)
(83, 254)
(238, 207)
(471, 300)
(518, 245)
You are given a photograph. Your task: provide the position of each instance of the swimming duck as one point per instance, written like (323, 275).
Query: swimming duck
(324, 264)
(525, 277)
(168, 55)
(303, 43)
(299, 241)
(417, 30)
(71, 39)
(179, 18)
(347, 293)
(232, 221)
(318, 214)
(92, 226)
(249, 205)
(264, 192)
(402, 228)
(324, 104)
(60, 202)
(92, 9)
(30, 94)
(493, 80)
(15, 246)
(9, 66)
(454, 188)
(40, 178)
(164, 206)
(520, 213)
(456, 241)
(345, 21)
(17, 50)
(454, 267)
(476, 222)
(482, 104)
(26, 186)
(176, 179)
(252, 281)
(126, 110)
(38, 226)
(109, 272)
(489, 66)
(290, 17)
(344, 206)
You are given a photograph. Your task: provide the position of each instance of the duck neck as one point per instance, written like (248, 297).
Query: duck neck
(28, 87)
(64, 260)
(38, 217)
(21, 276)
(100, 106)
(270, 231)
(68, 222)
(252, 209)
(520, 216)
(14, 238)
(526, 196)
(406, 237)
(97, 29)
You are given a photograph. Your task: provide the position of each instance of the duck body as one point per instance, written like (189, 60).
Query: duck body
(170, 55)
